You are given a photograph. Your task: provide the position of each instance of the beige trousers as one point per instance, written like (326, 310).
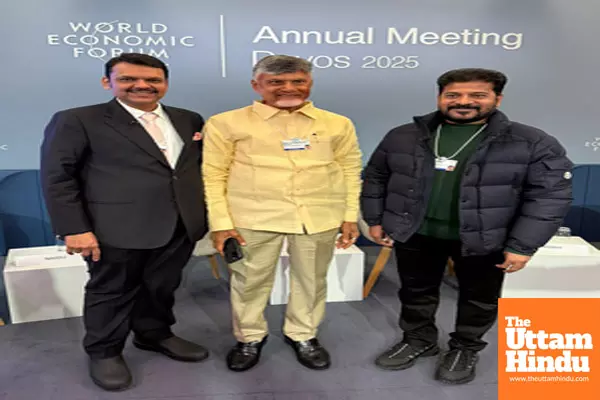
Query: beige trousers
(252, 281)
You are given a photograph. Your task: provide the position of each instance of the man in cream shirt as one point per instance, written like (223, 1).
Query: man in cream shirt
(281, 168)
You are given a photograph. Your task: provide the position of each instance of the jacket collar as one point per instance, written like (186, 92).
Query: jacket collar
(498, 123)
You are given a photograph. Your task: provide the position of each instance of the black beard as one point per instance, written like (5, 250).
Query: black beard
(478, 117)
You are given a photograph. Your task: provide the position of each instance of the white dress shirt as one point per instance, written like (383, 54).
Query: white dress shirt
(174, 141)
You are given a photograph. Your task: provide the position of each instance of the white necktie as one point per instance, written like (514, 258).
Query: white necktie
(155, 132)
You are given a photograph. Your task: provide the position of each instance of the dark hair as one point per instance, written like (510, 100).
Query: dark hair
(136, 59)
(497, 79)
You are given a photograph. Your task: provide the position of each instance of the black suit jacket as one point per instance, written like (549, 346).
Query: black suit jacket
(102, 172)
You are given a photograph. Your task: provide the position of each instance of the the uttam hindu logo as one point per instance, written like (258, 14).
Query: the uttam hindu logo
(547, 348)
(526, 344)
(104, 40)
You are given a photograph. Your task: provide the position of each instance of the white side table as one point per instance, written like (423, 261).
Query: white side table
(564, 267)
(44, 283)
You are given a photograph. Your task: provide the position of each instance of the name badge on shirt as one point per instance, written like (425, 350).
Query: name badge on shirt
(295, 144)
(444, 164)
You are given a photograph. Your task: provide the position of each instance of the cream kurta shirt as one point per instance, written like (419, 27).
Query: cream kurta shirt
(252, 182)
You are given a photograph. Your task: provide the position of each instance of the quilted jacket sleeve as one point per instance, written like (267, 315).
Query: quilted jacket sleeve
(547, 197)
(375, 181)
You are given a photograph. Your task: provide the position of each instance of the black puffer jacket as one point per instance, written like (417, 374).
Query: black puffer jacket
(515, 191)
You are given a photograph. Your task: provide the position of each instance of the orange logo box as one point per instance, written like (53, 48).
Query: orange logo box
(549, 349)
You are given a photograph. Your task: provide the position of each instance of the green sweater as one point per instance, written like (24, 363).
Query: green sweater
(442, 218)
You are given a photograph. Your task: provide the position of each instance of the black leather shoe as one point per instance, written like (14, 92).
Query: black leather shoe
(310, 353)
(403, 355)
(174, 347)
(244, 356)
(110, 373)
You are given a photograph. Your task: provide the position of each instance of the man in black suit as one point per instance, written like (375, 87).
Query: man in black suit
(122, 183)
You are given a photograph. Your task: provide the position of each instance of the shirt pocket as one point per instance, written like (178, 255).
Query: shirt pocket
(321, 148)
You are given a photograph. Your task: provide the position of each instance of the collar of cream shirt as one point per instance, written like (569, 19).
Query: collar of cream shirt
(266, 111)
(159, 110)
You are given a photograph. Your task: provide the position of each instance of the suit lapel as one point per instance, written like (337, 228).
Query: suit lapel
(181, 124)
(124, 123)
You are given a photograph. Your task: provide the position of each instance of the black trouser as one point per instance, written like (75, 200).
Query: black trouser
(132, 290)
(421, 264)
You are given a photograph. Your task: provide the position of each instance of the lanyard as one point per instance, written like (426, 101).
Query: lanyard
(461, 148)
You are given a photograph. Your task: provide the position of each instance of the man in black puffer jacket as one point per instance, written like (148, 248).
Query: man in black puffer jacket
(467, 183)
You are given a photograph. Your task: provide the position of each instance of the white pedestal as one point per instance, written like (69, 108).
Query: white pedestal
(44, 283)
(565, 267)
(344, 278)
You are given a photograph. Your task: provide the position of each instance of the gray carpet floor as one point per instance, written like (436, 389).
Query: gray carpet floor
(44, 360)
